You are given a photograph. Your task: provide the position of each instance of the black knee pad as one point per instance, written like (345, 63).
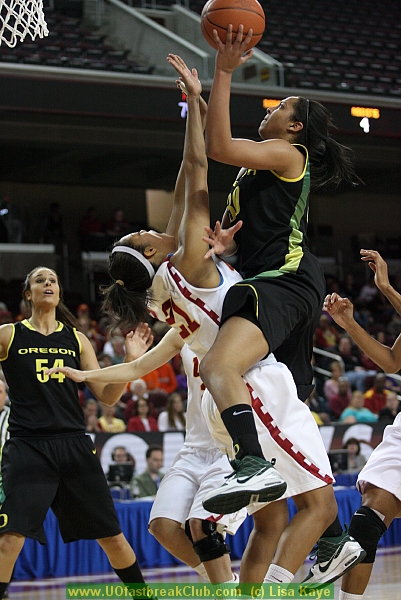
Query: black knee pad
(367, 528)
(213, 545)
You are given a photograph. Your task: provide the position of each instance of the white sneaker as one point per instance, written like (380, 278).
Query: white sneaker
(334, 557)
(254, 480)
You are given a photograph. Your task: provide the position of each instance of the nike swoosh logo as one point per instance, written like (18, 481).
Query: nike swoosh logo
(360, 514)
(324, 569)
(93, 451)
(241, 412)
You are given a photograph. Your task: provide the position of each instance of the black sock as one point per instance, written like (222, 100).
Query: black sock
(3, 587)
(132, 574)
(334, 530)
(240, 424)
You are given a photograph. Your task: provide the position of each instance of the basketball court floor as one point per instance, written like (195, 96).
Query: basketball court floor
(385, 583)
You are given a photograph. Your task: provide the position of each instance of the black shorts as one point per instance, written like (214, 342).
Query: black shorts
(62, 473)
(287, 309)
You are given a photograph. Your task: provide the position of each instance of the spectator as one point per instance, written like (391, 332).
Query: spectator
(117, 343)
(4, 413)
(121, 470)
(330, 386)
(162, 379)
(137, 389)
(375, 397)
(349, 289)
(368, 295)
(391, 409)
(117, 226)
(142, 421)
(108, 422)
(356, 412)
(319, 408)
(104, 360)
(12, 221)
(147, 483)
(326, 335)
(86, 326)
(340, 401)
(354, 370)
(91, 232)
(356, 460)
(173, 418)
(91, 416)
(53, 232)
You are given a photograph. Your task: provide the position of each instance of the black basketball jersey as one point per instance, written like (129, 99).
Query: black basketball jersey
(272, 239)
(42, 404)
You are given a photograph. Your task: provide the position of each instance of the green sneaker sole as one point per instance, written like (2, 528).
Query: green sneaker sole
(231, 502)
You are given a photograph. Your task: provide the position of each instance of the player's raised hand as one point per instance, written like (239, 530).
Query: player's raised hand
(235, 53)
(220, 239)
(138, 342)
(341, 309)
(378, 266)
(189, 77)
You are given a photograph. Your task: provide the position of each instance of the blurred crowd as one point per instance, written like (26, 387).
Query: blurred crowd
(349, 387)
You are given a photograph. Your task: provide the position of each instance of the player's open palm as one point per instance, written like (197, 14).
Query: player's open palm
(188, 76)
(220, 239)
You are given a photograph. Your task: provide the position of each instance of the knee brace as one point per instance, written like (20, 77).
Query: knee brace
(367, 528)
(212, 546)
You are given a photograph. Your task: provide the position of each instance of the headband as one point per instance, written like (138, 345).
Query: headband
(138, 256)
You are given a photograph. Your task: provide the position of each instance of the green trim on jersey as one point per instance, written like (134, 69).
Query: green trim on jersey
(75, 332)
(32, 328)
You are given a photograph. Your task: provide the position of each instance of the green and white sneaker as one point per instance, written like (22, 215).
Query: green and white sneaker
(254, 480)
(334, 557)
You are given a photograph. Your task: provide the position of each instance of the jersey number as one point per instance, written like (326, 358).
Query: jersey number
(169, 308)
(42, 364)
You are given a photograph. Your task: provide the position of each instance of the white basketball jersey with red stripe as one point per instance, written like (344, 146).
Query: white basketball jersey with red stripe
(194, 312)
(197, 434)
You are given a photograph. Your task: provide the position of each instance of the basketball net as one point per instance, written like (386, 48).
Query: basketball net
(19, 18)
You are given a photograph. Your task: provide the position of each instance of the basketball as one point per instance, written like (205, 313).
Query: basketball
(219, 14)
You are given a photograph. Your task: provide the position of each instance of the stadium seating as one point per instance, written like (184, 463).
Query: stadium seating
(324, 45)
(70, 45)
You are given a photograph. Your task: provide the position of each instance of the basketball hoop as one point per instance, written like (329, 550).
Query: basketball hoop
(19, 18)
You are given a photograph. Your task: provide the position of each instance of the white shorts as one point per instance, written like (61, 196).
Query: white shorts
(286, 428)
(194, 473)
(383, 468)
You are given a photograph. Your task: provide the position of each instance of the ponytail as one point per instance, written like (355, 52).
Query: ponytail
(331, 163)
(128, 297)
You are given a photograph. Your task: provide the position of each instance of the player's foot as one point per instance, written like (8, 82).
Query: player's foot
(334, 557)
(253, 480)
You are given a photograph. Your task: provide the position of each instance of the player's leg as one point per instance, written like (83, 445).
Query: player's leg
(171, 535)
(368, 524)
(222, 370)
(11, 545)
(316, 509)
(269, 523)
(122, 558)
(210, 547)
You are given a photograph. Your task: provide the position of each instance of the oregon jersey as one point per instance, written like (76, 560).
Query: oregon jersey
(53, 406)
(275, 212)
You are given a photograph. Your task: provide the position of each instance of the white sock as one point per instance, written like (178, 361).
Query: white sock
(200, 569)
(276, 574)
(347, 596)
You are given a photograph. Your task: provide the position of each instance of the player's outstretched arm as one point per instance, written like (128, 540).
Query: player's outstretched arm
(342, 311)
(166, 349)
